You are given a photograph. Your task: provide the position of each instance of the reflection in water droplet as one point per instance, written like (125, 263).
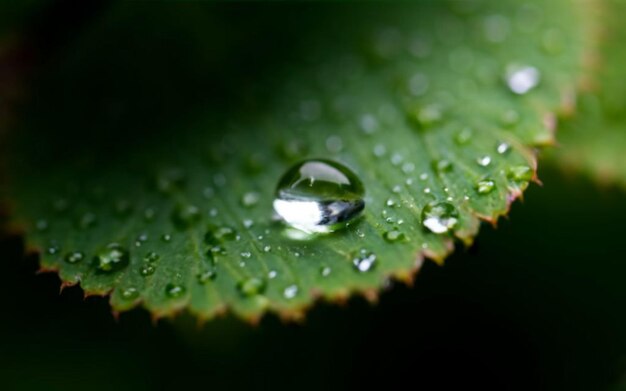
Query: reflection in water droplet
(113, 258)
(74, 257)
(206, 275)
(485, 186)
(174, 291)
(251, 286)
(364, 261)
(521, 78)
(290, 292)
(439, 217)
(319, 196)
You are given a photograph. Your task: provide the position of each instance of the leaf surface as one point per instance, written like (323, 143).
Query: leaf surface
(146, 162)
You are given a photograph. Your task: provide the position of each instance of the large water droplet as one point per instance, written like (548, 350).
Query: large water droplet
(521, 78)
(439, 217)
(251, 286)
(319, 195)
(364, 261)
(114, 257)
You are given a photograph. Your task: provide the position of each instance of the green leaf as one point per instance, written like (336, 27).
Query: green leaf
(146, 163)
(594, 141)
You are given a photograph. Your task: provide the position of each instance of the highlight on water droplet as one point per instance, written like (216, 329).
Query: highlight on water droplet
(319, 196)
(174, 291)
(394, 236)
(364, 261)
(439, 217)
(290, 292)
(130, 293)
(503, 148)
(485, 186)
(484, 161)
(251, 286)
(74, 257)
(207, 274)
(325, 271)
(112, 258)
(521, 78)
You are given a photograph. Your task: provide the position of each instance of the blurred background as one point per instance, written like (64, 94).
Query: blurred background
(537, 303)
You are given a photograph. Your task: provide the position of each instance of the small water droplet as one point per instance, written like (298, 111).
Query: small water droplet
(217, 235)
(396, 159)
(325, 271)
(247, 223)
(503, 148)
(427, 190)
(166, 238)
(130, 293)
(267, 249)
(74, 257)
(174, 291)
(364, 261)
(463, 137)
(272, 274)
(423, 176)
(42, 225)
(429, 115)
(251, 286)
(184, 216)
(246, 254)
(290, 292)
(418, 84)
(394, 236)
(206, 275)
(439, 217)
(334, 144)
(520, 173)
(87, 220)
(379, 150)
(250, 199)
(484, 161)
(485, 186)
(368, 123)
(408, 168)
(521, 78)
(208, 192)
(149, 214)
(390, 202)
(319, 196)
(147, 270)
(113, 258)
(442, 165)
(151, 257)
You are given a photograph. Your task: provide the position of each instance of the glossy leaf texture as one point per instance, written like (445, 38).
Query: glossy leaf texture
(146, 161)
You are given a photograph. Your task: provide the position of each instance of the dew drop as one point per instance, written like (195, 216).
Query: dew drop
(250, 199)
(521, 78)
(520, 173)
(246, 254)
(149, 214)
(42, 225)
(364, 261)
(290, 292)
(485, 186)
(184, 216)
(325, 271)
(379, 150)
(174, 291)
(208, 274)
(247, 223)
(87, 220)
(74, 257)
(429, 115)
(166, 238)
(130, 293)
(334, 144)
(463, 137)
(113, 258)
(439, 217)
(503, 148)
(484, 161)
(442, 165)
(147, 270)
(272, 274)
(251, 286)
(368, 123)
(394, 236)
(319, 195)
(151, 257)
(418, 84)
